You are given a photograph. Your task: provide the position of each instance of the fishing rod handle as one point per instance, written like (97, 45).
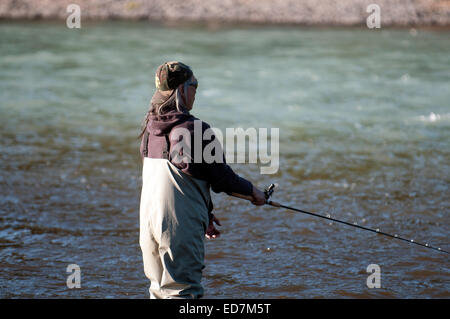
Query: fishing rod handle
(272, 203)
(247, 197)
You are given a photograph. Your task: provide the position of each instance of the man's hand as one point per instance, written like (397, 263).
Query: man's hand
(258, 197)
(211, 231)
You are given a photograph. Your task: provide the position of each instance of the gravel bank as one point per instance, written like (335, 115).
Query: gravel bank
(305, 12)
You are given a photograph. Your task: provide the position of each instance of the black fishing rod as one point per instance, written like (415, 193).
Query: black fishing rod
(269, 191)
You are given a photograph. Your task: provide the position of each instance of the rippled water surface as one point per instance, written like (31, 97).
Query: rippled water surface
(364, 120)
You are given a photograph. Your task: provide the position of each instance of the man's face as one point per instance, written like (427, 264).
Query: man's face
(191, 91)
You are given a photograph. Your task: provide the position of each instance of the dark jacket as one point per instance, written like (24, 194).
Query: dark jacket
(219, 175)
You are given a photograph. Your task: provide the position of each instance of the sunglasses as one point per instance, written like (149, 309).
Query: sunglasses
(193, 83)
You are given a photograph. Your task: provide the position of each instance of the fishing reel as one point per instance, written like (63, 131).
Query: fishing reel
(269, 191)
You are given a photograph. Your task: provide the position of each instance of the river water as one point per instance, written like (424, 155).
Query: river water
(364, 120)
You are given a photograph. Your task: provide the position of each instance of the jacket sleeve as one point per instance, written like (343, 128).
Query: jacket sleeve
(219, 174)
(223, 179)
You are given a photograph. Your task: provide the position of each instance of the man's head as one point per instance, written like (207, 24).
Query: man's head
(171, 74)
(176, 75)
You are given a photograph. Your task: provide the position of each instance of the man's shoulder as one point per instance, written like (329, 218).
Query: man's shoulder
(193, 122)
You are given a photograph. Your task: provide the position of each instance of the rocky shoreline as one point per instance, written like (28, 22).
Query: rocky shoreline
(302, 12)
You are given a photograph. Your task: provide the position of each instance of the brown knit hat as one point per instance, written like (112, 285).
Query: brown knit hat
(171, 74)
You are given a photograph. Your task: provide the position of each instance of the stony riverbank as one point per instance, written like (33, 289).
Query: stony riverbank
(304, 12)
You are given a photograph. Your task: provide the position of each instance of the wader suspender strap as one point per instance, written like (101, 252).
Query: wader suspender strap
(145, 151)
(166, 148)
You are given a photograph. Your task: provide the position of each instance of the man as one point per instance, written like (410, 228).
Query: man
(175, 208)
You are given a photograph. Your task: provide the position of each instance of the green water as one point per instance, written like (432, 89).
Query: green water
(364, 119)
